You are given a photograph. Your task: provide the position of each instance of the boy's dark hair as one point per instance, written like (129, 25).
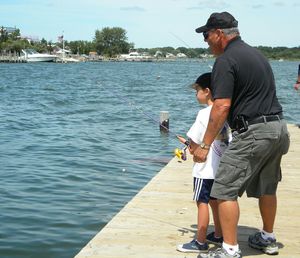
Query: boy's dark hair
(203, 81)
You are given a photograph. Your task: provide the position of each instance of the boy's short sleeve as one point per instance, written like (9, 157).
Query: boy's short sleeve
(197, 131)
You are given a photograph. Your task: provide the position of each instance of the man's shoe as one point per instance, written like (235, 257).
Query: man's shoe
(214, 240)
(193, 247)
(221, 253)
(268, 246)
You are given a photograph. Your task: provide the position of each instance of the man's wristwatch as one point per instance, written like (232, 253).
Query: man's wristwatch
(204, 146)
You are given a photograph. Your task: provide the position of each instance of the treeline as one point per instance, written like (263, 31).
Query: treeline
(281, 52)
(110, 42)
(270, 52)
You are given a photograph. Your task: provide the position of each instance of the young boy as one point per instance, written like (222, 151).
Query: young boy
(204, 173)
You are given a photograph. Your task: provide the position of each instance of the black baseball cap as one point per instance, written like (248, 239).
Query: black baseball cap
(203, 81)
(218, 21)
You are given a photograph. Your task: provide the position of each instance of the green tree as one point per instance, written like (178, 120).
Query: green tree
(14, 46)
(183, 50)
(168, 50)
(50, 47)
(111, 41)
(3, 34)
(44, 42)
(15, 35)
(81, 47)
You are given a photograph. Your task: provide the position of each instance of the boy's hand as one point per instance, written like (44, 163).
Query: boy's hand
(181, 139)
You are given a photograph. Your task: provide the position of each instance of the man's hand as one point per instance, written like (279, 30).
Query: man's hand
(218, 115)
(200, 155)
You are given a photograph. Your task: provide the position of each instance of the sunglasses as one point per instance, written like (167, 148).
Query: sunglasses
(205, 34)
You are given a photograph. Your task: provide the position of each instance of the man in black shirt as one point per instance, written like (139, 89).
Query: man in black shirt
(244, 93)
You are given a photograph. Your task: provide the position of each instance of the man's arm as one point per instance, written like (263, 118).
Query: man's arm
(217, 118)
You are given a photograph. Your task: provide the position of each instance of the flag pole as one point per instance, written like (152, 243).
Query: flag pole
(63, 42)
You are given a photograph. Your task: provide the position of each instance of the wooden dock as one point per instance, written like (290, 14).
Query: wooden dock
(163, 215)
(11, 58)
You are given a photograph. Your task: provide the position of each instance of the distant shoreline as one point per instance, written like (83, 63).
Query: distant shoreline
(80, 59)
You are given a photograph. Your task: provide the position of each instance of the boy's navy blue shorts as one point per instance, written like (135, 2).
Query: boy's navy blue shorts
(202, 188)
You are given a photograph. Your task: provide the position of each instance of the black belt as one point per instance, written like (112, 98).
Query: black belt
(241, 124)
(264, 119)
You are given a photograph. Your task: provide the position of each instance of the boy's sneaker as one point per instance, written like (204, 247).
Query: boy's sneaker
(268, 246)
(221, 253)
(214, 240)
(193, 247)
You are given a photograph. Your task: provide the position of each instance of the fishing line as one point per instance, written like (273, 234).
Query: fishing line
(133, 105)
(179, 153)
(187, 45)
(174, 35)
(150, 117)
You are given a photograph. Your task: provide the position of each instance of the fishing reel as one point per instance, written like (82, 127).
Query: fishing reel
(180, 153)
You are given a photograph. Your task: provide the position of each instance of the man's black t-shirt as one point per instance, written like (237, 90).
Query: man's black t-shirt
(245, 76)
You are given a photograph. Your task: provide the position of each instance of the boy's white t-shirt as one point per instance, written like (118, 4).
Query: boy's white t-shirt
(208, 169)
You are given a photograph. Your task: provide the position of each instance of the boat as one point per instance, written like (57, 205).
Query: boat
(135, 56)
(67, 60)
(64, 56)
(31, 55)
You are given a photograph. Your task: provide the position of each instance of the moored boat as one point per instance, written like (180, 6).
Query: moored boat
(135, 56)
(30, 55)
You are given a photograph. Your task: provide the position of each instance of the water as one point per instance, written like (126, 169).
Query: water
(73, 151)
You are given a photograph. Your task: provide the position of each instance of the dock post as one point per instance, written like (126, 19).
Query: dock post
(164, 121)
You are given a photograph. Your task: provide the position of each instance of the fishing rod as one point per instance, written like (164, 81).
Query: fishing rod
(151, 118)
(181, 40)
(179, 153)
(187, 45)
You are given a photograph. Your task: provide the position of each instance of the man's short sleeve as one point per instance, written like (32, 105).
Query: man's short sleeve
(223, 79)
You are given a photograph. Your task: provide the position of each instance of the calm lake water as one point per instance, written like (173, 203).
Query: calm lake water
(77, 143)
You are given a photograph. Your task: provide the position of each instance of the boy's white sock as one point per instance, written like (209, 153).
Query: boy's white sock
(200, 242)
(265, 235)
(231, 249)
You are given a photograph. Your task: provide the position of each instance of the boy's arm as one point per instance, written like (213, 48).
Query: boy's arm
(217, 118)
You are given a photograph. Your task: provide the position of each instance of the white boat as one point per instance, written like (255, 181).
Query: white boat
(30, 55)
(135, 56)
(64, 56)
(67, 60)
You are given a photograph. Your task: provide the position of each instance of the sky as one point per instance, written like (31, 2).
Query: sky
(153, 23)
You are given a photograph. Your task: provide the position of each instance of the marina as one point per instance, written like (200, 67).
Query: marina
(163, 215)
(71, 58)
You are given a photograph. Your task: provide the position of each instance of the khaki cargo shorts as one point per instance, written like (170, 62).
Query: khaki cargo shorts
(251, 162)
